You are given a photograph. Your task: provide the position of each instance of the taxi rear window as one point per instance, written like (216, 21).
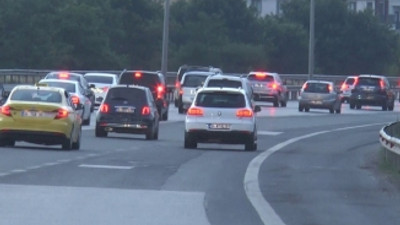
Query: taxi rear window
(221, 100)
(129, 96)
(36, 96)
(70, 88)
(224, 83)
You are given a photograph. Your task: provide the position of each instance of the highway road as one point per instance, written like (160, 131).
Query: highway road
(311, 168)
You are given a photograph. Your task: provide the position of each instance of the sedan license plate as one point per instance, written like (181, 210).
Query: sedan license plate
(27, 113)
(219, 126)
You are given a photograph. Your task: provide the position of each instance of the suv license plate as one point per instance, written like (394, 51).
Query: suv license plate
(219, 126)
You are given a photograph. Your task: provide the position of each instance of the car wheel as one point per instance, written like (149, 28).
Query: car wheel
(87, 121)
(276, 103)
(331, 110)
(391, 106)
(307, 108)
(100, 132)
(156, 133)
(67, 144)
(283, 103)
(352, 105)
(358, 106)
(150, 133)
(301, 108)
(76, 145)
(165, 115)
(180, 109)
(190, 141)
(384, 106)
(338, 111)
(250, 145)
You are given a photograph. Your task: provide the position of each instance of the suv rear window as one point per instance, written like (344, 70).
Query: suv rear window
(224, 83)
(317, 88)
(369, 81)
(149, 80)
(193, 80)
(220, 100)
(185, 69)
(133, 96)
(263, 78)
(350, 81)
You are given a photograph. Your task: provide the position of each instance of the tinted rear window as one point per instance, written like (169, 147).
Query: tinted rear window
(263, 78)
(224, 83)
(143, 79)
(350, 81)
(67, 86)
(193, 80)
(132, 96)
(369, 81)
(36, 96)
(188, 69)
(317, 88)
(220, 100)
(99, 79)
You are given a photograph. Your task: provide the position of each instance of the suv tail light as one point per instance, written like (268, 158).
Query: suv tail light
(104, 108)
(6, 110)
(160, 91)
(330, 88)
(145, 110)
(382, 84)
(344, 86)
(195, 111)
(61, 113)
(273, 86)
(244, 113)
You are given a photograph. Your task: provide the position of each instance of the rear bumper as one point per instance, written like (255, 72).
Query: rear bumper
(226, 137)
(371, 100)
(131, 127)
(37, 137)
(322, 104)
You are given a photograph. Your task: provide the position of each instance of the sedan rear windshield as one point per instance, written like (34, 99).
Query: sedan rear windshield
(220, 100)
(99, 79)
(224, 83)
(263, 78)
(70, 88)
(36, 96)
(194, 80)
(130, 96)
(317, 88)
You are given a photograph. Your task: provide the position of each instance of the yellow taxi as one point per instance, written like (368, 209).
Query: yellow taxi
(40, 115)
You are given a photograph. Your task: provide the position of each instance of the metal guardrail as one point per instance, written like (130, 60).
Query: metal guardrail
(388, 137)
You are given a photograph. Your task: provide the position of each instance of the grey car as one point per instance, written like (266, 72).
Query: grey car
(319, 94)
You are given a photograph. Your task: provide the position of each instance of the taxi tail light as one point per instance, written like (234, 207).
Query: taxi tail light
(104, 108)
(61, 113)
(244, 113)
(6, 110)
(195, 111)
(160, 91)
(145, 110)
(75, 99)
(273, 86)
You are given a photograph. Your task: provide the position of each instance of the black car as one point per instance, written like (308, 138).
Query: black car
(128, 109)
(64, 75)
(155, 81)
(372, 90)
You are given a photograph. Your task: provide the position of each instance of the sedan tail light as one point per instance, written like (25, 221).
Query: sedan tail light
(244, 113)
(6, 110)
(104, 108)
(61, 113)
(195, 111)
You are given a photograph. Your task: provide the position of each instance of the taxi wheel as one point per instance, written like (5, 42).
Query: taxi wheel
(67, 144)
(10, 143)
(76, 145)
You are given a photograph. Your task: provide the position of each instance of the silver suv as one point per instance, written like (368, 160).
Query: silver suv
(221, 115)
(268, 87)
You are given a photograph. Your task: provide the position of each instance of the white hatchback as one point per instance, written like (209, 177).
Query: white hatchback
(221, 115)
(100, 83)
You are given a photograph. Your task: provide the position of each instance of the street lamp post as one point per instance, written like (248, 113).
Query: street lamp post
(164, 57)
(311, 41)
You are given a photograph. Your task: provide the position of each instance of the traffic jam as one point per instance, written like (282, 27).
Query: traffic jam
(219, 107)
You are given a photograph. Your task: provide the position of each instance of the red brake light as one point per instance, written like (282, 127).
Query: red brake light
(104, 108)
(194, 111)
(145, 110)
(75, 100)
(63, 75)
(304, 86)
(344, 86)
(273, 86)
(160, 91)
(382, 84)
(105, 89)
(330, 88)
(260, 75)
(61, 113)
(6, 110)
(138, 75)
(244, 113)
(177, 84)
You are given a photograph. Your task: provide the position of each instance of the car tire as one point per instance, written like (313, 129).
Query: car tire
(150, 133)
(180, 109)
(391, 106)
(331, 110)
(283, 103)
(352, 105)
(165, 115)
(301, 108)
(358, 106)
(276, 103)
(87, 121)
(338, 111)
(100, 132)
(76, 145)
(190, 141)
(67, 144)
(250, 145)
(307, 109)
(384, 106)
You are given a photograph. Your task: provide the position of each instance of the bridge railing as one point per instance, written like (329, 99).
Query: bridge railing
(389, 137)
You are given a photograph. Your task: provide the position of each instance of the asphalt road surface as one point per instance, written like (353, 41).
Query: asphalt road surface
(311, 168)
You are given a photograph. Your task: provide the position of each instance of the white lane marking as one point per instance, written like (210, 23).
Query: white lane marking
(18, 171)
(107, 167)
(270, 133)
(252, 185)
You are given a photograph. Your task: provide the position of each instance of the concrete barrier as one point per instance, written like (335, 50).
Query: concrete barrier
(391, 144)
